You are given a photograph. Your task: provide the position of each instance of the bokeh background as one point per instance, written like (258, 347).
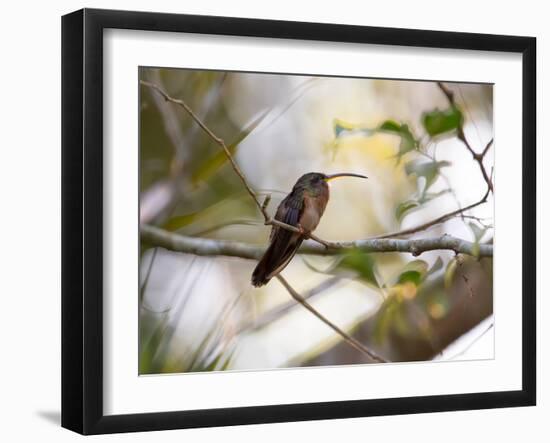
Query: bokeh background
(202, 314)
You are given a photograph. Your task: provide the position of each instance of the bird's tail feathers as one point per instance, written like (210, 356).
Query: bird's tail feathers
(272, 263)
(259, 276)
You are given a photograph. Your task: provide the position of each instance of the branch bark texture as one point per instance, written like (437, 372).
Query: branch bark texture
(212, 247)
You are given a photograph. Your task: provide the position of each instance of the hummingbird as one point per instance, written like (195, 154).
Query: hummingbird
(302, 208)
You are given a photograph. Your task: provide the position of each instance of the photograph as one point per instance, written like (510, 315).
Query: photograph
(292, 220)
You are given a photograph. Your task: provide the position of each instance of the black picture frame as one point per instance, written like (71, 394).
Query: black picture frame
(82, 220)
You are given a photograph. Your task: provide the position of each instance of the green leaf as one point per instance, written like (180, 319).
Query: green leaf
(427, 169)
(391, 126)
(341, 126)
(478, 234)
(415, 271)
(338, 130)
(435, 267)
(414, 277)
(438, 122)
(362, 264)
(404, 208)
(180, 221)
(408, 142)
(477, 231)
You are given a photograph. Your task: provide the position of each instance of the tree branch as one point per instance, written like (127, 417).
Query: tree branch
(212, 247)
(349, 339)
(478, 157)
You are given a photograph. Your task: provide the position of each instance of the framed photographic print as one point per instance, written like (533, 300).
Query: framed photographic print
(269, 221)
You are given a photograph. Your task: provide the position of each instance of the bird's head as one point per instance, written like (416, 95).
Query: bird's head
(316, 181)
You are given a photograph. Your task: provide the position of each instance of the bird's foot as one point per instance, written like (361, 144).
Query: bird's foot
(303, 232)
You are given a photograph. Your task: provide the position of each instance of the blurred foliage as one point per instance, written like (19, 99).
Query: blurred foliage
(418, 321)
(212, 164)
(424, 171)
(407, 140)
(426, 303)
(361, 264)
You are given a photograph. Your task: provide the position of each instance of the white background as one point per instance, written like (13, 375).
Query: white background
(128, 393)
(30, 188)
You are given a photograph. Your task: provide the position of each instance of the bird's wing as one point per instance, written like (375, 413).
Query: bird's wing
(285, 243)
(289, 212)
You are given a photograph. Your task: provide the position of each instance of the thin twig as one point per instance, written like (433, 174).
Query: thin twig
(465, 105)
(172, 126)
(435, 221)
(487, 147)
(480, 220)
(478, 157)
(349, 339)
(265, 204)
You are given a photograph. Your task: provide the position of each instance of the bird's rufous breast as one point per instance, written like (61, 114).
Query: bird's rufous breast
(314, 207)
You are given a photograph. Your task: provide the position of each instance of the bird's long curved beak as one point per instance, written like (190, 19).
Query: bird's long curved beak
(344, 174)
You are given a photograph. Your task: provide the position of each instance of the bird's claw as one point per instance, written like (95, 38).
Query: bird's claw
(303, 232)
